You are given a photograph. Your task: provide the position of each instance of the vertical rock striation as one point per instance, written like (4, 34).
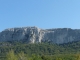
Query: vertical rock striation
(37, 35)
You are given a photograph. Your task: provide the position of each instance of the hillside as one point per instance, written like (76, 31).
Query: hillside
(33, 43)
(43, 51)
(43, 48)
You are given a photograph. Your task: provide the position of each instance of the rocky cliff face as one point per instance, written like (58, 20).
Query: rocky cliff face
(37, 35)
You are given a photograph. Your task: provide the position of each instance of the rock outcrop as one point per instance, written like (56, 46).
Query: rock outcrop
(37, 35)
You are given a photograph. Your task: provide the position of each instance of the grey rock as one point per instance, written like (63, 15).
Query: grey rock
(37, 35)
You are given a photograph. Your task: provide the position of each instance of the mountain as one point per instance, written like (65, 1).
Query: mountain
(37, 35)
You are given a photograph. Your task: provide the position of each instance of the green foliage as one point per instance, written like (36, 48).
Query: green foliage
(21, 56)
(35, 57)
(42, 51)
(11, 56)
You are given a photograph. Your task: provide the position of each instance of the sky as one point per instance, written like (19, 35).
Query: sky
(41, 13)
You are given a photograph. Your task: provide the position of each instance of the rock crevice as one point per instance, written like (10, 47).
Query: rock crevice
(37, 35)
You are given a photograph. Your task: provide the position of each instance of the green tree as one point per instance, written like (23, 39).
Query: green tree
(21, 56)
(11, 56)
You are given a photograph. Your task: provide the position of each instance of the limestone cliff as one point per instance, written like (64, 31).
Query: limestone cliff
(37, 35)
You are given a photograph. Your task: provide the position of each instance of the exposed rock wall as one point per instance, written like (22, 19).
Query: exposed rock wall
(37, 35)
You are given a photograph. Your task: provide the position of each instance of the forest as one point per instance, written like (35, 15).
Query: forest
(13, 50)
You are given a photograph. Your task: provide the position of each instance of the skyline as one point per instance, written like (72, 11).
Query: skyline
(44, 14)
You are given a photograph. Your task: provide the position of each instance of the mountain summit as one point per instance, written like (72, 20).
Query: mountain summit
(37, 35)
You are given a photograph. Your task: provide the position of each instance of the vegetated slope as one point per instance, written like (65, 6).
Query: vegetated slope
(43, 51)
(40, 49)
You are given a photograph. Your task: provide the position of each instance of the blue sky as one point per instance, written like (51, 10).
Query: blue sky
(41, 13)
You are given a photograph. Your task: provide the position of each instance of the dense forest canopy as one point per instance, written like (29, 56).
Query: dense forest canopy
(40, 50)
